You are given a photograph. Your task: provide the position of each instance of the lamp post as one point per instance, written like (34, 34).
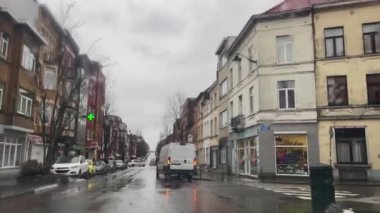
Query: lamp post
(238, 57)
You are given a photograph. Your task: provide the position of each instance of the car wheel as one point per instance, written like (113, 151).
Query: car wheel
(80, 174)
(157, 175)
(189, 178)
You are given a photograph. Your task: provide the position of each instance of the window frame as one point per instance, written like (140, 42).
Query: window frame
(351, 144)
(251, 101)
(2, 86)
(335, 55)
(2, 42)
(223, 88)
(231, 77)
(26, 53)
(240, 108)
(373, 39)
(223, 116)
(286, 95)
(346, 91)
(240, 75)
(55, 84)
(368, 88)
(284, 45)
(27, 100)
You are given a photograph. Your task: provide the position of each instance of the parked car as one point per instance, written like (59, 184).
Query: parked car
(101, 167)
(134, 163)
(152, 162)
(111, 166)
(177, 159)
(70, 166)
(91, 168)
(120, 164)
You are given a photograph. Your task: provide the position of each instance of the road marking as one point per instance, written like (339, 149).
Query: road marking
(45, 188)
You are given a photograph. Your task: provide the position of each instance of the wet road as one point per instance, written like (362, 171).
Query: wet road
(137, 190)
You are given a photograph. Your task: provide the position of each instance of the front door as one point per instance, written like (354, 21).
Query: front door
(214, 159)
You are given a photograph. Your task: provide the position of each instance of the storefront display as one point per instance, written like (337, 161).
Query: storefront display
(247, 156)
(291, 155)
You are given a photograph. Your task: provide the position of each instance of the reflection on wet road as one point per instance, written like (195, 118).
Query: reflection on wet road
(137, 190)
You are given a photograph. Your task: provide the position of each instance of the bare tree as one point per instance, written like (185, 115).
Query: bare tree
(173, 111)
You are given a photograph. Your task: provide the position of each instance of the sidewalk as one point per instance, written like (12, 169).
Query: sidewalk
(217, 176)
(18, 187)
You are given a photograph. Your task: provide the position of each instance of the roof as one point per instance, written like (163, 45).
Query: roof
(289, 5)
(27, 25)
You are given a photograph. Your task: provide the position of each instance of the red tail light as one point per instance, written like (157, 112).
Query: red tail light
(169, 161)
(195, 162)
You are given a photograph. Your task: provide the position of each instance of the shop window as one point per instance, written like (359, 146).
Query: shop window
(291, 154)
(373, 88)
(334, 42)
(11, 151)
(351, 146)
(247, 156)
(337, 91)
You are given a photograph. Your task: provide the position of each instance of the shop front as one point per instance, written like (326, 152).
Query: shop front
(291, 154)
(247, 156)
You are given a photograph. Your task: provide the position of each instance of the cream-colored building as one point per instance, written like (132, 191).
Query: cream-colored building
(272, 97)
(347, 45)
(210, 120)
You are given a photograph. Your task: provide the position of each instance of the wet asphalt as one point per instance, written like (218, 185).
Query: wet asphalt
(137, 190)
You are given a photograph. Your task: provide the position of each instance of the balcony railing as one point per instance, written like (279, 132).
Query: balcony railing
(238, 123)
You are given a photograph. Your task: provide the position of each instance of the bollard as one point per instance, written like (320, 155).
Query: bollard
(322, 188)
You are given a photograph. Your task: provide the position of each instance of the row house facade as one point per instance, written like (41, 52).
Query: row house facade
(19, 79)
(347, 43)
(116, 143)
(272, 101)
(92, 99)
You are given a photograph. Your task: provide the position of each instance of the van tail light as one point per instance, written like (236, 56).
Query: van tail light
(195, 162)
(169, 160)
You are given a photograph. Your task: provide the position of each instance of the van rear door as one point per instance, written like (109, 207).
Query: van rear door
(182, 157)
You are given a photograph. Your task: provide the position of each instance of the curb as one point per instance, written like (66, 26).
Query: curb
(30, 191)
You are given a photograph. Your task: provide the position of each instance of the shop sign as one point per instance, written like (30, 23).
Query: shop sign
(264, 128)
(35, 139)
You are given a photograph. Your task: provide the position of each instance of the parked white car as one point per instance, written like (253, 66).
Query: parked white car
(134, 163)
(70, 166)
(177, 159)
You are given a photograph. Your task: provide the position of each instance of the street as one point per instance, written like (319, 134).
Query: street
(136, 190)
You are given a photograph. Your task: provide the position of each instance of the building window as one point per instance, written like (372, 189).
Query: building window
(291, 154)
(1, 93)
(46, 114)
(286, 94)
(223, 155)
(25, 102)
(284, 49)
(240, 105)
(231, 109)
(239, 71)
(371, 37)
(334, 42)
(351, 145)
(11, 151)
(337, 91)
(251, 100)
(373, 88)
(28, 59)
(4, 44)
(212, 128)
(247, 156)
(231, 78)
(223, 119)
(223, 88)
(50, 78)
(216, 126)
(250, 56)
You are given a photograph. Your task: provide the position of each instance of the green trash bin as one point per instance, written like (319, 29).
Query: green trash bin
(322, 187)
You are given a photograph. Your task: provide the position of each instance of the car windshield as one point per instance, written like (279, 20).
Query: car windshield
(119, 161)
(67, 159)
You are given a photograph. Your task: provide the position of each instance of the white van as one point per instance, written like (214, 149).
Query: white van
(177, 159)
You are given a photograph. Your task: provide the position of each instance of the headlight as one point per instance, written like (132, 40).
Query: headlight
(74, 167)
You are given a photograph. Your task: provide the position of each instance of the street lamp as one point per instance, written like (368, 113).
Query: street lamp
(238, 57)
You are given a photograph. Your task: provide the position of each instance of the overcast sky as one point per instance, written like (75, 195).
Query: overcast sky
(155, 47)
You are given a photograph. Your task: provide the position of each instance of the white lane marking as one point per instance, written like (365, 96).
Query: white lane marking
(45, 188)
